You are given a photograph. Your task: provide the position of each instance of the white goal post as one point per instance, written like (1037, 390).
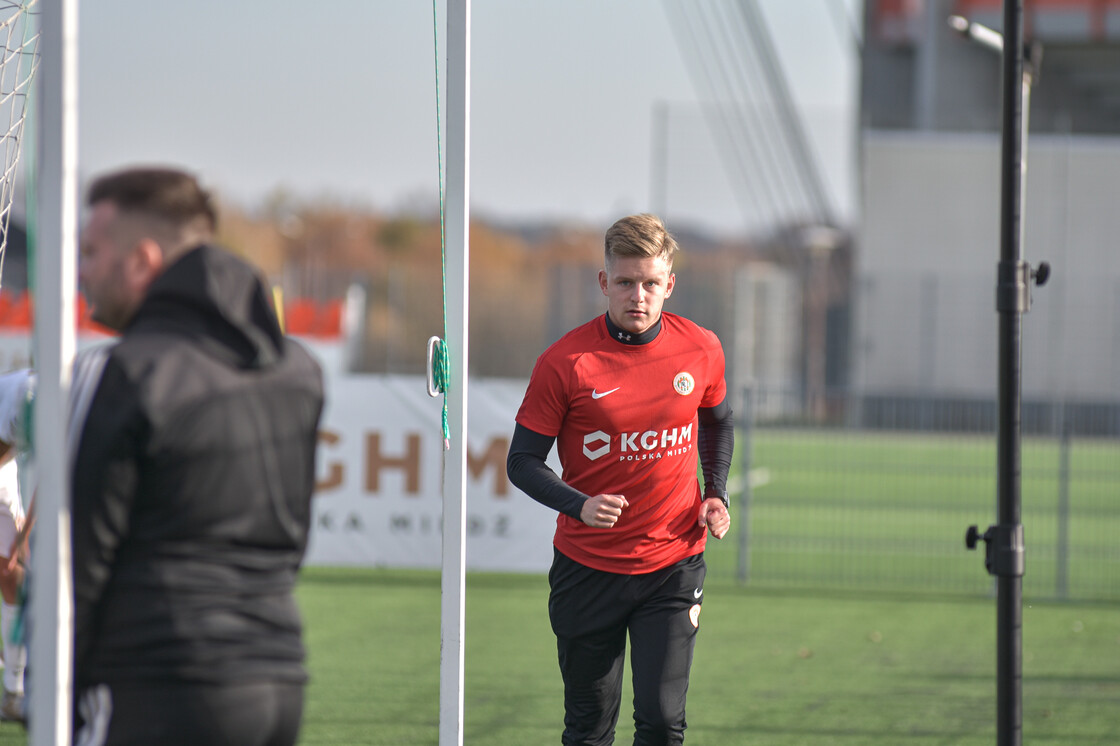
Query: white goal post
(452, 570)
(56, 224)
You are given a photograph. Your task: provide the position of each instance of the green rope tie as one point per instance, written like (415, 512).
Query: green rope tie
(440, 373)
(438, 379)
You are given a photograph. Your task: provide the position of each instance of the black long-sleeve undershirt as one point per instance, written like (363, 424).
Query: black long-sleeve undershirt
(716, 440)
(529, 473)
(529, 450)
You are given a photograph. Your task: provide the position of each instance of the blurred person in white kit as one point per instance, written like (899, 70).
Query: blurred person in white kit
(14, 388)
(16, 519)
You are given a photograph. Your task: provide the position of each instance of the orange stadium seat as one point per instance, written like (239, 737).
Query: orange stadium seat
(299, 317)
(328, 322)
(20, 315)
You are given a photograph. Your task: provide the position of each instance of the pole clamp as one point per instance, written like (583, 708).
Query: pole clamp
(1004, 555)
(1013, 289)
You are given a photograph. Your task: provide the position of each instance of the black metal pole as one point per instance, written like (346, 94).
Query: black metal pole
(1013, 299)
(1005, 551)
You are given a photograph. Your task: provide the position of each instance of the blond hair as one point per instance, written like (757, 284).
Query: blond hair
(641, 235)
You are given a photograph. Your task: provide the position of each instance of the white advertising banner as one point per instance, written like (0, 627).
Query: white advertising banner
(379, 492)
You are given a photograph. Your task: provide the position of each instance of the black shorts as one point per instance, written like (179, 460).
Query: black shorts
(189, 714)
(592, 612)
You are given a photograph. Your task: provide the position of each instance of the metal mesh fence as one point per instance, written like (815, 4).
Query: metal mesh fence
(887, 509)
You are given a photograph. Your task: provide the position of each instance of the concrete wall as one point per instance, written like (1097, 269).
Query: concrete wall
(925, 320)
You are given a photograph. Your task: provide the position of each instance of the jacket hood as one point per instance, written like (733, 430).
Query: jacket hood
(220, 300)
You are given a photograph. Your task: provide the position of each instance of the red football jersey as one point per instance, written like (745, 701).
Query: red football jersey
(624, 418)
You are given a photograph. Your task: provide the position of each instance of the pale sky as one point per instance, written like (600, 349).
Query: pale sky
(338, 98)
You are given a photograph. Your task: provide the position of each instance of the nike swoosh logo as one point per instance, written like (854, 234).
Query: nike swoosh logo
(698, 593)
(596, 395)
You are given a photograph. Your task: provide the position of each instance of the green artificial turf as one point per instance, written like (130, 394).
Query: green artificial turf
(865, 620)
(772, 667)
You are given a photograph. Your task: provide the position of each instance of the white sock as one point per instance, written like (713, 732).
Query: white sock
(15, 656)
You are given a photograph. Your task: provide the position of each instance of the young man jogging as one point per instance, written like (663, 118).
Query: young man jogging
(630, 399)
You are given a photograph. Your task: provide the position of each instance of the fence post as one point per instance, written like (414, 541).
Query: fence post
(743, 570)
(1061, 575)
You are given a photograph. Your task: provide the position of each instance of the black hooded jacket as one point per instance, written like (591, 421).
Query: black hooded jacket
(192, 487)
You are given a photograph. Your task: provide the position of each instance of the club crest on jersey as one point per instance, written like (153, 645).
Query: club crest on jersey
(684, 383)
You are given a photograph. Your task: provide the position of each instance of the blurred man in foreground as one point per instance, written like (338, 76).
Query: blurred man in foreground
(191, 484)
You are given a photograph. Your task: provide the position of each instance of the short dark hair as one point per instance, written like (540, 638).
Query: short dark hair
(168, 194)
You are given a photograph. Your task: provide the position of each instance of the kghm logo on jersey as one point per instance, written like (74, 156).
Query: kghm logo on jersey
(640, 446)
(596, 444)
(684, 383)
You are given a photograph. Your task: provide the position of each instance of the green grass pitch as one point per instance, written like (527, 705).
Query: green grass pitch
(865, 621)
(772, 667)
